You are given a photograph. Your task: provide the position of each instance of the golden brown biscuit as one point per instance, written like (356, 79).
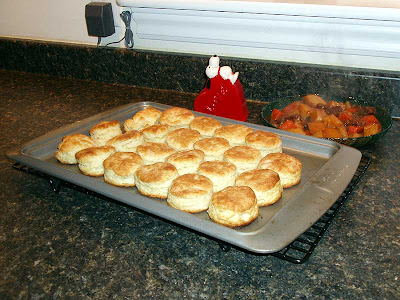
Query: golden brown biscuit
(102, 132)
(221, 173)
(156, 133)
(265, 142)
(243, 157)
(213, 148)
(126, 142)
(120, 168)
(187, 161)
(265, 183)
(287, 166)
(177, 117)
(234, 206)
(70, 145)
(205, 125)
(154, 152)
(90, 160)
(154, 180)
(190, 193)
(182, 138)
(235, 134)
(142, 119)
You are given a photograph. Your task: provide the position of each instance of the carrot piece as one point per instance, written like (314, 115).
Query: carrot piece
(369, 120)
(344, 117)
(276, 113)
(351, 110)
(355, 129)
(288, 124)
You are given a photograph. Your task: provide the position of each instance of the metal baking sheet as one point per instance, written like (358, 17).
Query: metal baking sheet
(327, 169)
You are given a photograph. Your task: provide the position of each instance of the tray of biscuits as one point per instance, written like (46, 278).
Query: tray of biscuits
(251, 186)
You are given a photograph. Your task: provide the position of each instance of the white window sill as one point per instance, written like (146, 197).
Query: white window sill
(352, 33)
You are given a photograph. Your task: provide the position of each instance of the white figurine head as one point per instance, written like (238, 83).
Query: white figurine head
(213, 66)
(226, 73)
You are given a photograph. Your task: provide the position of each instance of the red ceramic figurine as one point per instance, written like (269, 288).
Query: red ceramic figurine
(223, 95)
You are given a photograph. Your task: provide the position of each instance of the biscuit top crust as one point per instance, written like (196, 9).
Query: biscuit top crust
(191, 186)
(281, 162)
(129, 135)
(217, 168)
(259, 179)
(93, 152)
(242, 154)
(104, 126)
(263, 139)
(158, 149)
(123, 163)
(235, 133)
(214, 145)
(235, 198)
(194, 156)
(158, 172)
(183, 138)
(147, 116)
(75, 141)
(176, 116)
(205, 125)
(155, 130)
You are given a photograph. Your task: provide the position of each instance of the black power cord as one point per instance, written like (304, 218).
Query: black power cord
(126, 18)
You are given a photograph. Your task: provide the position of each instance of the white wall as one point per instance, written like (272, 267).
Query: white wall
(50, 20)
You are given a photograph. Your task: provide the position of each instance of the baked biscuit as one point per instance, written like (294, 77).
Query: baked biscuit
(265, 183)
(90, 160)
(213, 148)
(221, 173)
(156, 133)
(287, 166)
(120, 168)
(265, 142)
(70, 145)
(154, 152)
(235, 134)
(102, 132)
(177, 117)
(205, 125)
(191, 193)
(187, 161)
(142, 119)
(234, 206)
(182, 138)
(126, 142)
(243, 157)
(154, 180)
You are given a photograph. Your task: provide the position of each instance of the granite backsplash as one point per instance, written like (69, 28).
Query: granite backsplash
(261, 80)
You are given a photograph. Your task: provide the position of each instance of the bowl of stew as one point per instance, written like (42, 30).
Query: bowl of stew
(347, 121)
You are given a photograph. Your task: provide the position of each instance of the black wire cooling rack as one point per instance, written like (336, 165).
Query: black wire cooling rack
(298, 252)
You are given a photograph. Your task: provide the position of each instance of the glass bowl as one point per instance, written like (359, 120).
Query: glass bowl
(382, 115)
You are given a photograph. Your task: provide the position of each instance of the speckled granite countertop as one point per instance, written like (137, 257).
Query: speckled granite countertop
(76, 246)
